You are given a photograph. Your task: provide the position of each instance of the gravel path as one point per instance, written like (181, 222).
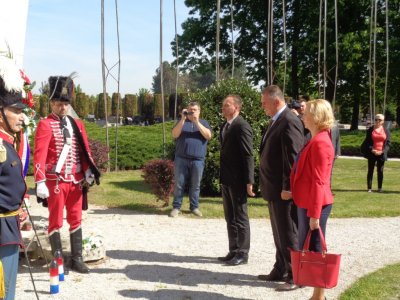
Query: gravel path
(157, 257)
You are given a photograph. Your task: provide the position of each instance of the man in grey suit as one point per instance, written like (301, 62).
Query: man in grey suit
(280, 145)
(237, 178)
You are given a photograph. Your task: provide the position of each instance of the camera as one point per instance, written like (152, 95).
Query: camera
(187, 113)
(294, 104)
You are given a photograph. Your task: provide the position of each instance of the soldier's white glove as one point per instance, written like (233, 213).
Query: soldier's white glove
(41, 190)
(89, 177)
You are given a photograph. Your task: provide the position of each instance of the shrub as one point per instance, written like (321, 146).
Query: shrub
(159, 174)
(99, 153)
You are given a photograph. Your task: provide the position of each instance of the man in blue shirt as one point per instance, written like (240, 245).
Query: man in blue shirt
(191, 134)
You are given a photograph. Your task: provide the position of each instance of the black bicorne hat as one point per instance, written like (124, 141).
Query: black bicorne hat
(61, 88)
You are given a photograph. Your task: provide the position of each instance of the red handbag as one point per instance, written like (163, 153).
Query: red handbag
(316, 269)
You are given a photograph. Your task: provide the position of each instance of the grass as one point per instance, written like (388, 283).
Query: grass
(350, 186)
(126, 189)
(381, 284)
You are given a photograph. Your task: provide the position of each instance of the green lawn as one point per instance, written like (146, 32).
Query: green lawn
(382, 284)
(126, 189)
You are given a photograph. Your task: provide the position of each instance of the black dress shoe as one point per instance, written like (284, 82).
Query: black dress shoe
(274, 275)
(228, 257)
(239, 259)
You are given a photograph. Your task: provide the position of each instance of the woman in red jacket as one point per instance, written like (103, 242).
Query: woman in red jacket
(310, 177)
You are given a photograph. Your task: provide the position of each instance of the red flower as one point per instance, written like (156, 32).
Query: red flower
(28, 86)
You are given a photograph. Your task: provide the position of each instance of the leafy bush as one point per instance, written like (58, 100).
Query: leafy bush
(159, 174)
(99, 153)
(210, 101)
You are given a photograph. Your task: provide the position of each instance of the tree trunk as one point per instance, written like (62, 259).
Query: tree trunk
(294, 55)
(329, 92)
(398, 111)
(356, 112)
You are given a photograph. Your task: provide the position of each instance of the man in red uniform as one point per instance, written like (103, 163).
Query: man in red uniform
(62, 166)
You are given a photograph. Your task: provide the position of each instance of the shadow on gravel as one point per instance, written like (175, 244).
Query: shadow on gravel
(167, 294)
(146, 256)
(127, 211)
(186, 276)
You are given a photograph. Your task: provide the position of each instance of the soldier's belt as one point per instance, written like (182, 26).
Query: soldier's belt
(9, 214)
(52, 169)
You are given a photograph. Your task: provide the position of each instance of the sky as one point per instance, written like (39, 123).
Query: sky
(63, 36)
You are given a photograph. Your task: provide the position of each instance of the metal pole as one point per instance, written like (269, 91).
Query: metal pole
(104, 82)
(118, 95)
(162, 76)
(233, 42)
(177, 63)
(217, 42)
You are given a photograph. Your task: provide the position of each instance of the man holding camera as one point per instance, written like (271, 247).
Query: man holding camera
(191, 134)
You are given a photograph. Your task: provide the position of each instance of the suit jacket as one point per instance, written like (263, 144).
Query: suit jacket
(236, 159)
(278, 150)
(311, 175)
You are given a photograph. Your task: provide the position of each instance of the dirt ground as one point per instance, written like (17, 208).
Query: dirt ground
(157, 257)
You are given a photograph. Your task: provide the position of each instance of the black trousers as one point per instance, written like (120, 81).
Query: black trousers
(236, 217)
(380, 162)
(283, 216)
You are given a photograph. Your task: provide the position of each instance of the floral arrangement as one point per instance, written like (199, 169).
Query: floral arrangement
(30, 122)
(93, 248)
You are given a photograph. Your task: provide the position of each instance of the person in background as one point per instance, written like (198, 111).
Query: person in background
(298, 108)
(280, 144)
(335, 135)
(237, 178)
(310, 178)
(63, 168)
(191, 134)
(12, 182)
(376, 146)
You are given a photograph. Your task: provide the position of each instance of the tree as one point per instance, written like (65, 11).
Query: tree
(197, 46)
(130, 104)
(100, 112)
(116, 97)
(169, 78)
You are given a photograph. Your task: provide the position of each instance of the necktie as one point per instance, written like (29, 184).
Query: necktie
(225, 130)
(268, 129)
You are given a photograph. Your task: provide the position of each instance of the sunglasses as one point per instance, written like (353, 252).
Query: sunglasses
(376, 120)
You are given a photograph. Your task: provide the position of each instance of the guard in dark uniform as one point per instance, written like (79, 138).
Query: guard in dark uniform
(12, 183)
(63, 166)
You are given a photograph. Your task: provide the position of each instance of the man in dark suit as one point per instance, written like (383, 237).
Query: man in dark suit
(237, 178)
(279, 147)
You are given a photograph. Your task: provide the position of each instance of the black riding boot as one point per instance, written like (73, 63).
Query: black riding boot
(55, 243)
(77, 263)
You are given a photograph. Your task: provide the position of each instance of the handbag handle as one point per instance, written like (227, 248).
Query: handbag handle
(306, 246)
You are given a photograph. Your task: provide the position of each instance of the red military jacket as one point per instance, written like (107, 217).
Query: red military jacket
(49, 142)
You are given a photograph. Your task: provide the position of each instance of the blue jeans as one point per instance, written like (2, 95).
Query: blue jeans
(304, 226)
(9, 255)
(187, 171)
